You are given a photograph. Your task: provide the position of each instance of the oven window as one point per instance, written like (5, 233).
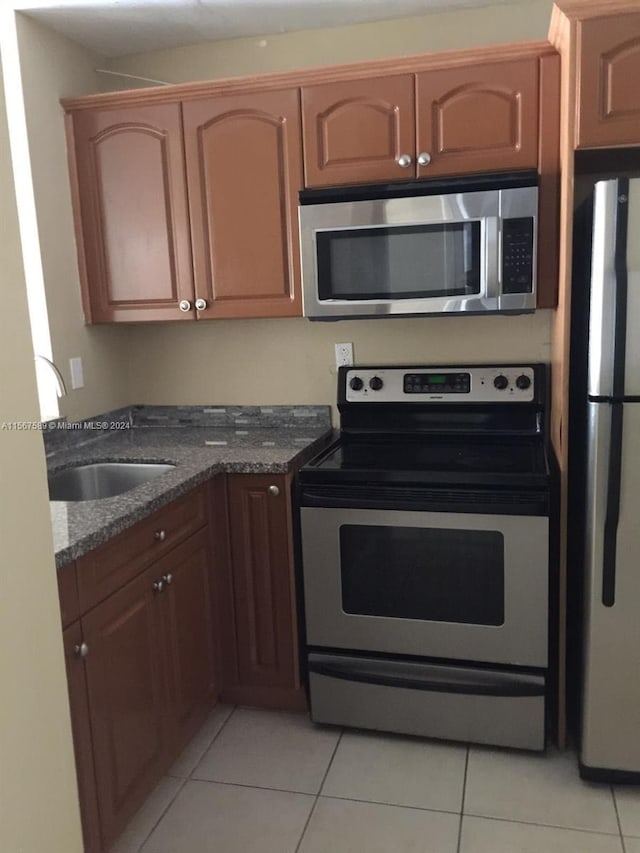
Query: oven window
(403, 262)
(432, 574)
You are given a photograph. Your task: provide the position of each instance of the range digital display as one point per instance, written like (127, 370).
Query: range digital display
(437, 383)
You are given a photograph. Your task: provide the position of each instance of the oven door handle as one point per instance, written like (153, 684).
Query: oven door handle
(437, 678)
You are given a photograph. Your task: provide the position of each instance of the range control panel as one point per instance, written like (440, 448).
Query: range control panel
(486, 384)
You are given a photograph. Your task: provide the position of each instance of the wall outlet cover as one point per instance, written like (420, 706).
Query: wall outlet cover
(344, 355)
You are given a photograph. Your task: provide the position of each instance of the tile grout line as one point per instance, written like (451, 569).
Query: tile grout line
(615, 806)
(464, 793)
(212, 741)
(315, 802)
(547, 825)
(183, 781)
(250, 785)
(164, 811)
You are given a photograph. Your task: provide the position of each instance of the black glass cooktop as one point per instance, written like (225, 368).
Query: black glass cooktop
(433, 460)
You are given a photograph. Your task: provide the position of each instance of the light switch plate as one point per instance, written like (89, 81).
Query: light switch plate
(77, 373)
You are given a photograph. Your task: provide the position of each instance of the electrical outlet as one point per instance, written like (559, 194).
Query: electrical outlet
(77, 374)
(344, 355)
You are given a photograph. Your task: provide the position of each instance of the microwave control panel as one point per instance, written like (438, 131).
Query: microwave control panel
(517, 255)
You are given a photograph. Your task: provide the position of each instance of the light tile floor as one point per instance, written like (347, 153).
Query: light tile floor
(271, 782)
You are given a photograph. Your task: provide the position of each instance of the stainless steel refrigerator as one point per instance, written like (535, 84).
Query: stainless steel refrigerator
(608, 486)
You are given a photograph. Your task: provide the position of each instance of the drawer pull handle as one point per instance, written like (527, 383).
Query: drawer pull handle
(168, 579)
(81, 650)
(158, 586)
(160, 535)
(274, 490)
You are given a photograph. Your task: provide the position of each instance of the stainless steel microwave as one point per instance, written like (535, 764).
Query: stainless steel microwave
(443, 247)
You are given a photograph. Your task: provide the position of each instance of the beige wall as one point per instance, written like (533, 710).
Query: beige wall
(292, 361)
(53, 67)
(400, 37)
(289, 361)
(38, 806)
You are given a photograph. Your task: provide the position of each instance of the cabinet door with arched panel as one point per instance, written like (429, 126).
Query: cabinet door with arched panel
(244, 172)
(608, 77)
(131, 213)
(357, 131)
(478, 118)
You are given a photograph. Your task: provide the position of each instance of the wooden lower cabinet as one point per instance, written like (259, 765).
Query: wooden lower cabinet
(263, 588)
(141, 675)
(127, 696)
(188, 629)
(213, 615)
(82, 742)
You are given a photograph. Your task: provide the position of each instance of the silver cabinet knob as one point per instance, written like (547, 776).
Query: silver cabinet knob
(274, 490)
(201, 304)
(404, 161)
(81, 650)
(160, 535)
(167, 579)
(424, 158)
(184, 305)
(157, 586)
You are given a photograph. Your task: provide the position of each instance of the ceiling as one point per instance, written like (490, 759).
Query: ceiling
(121, 27)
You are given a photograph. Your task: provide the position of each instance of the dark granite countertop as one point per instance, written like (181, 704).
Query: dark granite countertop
(198, 452)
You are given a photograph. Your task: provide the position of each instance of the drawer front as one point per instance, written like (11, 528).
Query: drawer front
(109, 567)
(516, 721)
(68, 594)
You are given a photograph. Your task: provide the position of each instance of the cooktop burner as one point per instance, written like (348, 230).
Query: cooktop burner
(431, 460)
(491, 435)
(431, 455)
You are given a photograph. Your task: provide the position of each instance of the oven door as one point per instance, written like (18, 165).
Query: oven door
(459, 586)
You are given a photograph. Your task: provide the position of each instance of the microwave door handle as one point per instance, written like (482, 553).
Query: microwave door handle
(491, 268)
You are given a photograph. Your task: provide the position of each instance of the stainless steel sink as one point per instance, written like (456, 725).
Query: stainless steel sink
(102, 479)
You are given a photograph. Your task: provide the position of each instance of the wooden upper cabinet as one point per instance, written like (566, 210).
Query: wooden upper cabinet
(244, 171)
(131, 212)
(461, 119)
(609, 81)
(357, 130)
(478, 118)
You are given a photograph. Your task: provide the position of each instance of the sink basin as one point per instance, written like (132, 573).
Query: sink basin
(102, 479)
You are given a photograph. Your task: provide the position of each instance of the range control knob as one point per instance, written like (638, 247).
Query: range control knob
(356, 383)
(523, 382)
(375, 383)
(501, 382)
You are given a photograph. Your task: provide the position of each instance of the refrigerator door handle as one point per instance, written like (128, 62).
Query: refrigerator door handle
(612, 514)
(608, 290)
(602, 290)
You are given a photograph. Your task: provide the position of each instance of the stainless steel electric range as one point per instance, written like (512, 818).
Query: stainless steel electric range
(425, 554)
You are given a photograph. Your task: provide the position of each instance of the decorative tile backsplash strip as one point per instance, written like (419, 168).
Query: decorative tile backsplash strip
(233, 416)
(62, 435)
